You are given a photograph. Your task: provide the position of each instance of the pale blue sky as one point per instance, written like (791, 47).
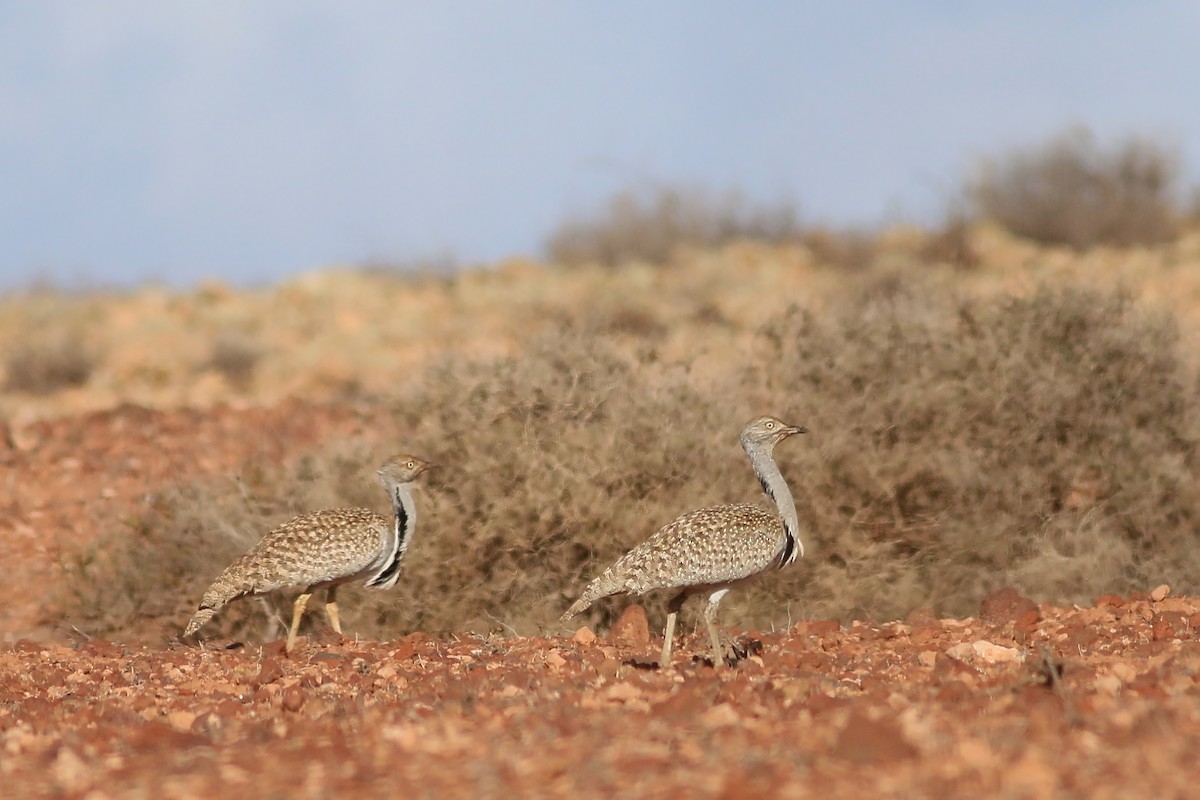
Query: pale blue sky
(252, 140)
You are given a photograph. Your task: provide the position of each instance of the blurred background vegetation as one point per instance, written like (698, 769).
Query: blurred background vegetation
(1008, 398)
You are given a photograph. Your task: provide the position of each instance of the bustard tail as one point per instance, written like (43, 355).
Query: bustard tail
(603, 586)
(217, 596)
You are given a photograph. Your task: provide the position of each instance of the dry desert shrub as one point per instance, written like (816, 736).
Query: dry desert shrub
(550, 461)
(955, 446)
(46, 361)
(236, 356)
(1074, 192)
(649, 225)
(964, 445)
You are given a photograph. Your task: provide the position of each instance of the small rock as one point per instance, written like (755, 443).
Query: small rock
(632, 629)
(1007, 605)
(181, 720)
(995, 653)
(819, 627)
(927, 658)
(963, 651)
(407, 647)
(269, 671)
(985, 651)
(1160, 592)
(554, 660)
(293, 699)
(584, 636)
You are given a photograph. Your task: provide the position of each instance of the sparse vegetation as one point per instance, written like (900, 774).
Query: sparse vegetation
(649, 225)
(1076, 192)
(957, 445)
(47, 361)
(235, 356)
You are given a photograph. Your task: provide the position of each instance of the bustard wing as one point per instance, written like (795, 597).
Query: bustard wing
(715, 545)
(322, 547)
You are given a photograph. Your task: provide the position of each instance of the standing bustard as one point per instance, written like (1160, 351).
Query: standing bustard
(324, 549)
(714, 549)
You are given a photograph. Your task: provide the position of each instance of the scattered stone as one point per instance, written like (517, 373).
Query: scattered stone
(997, 654)
(293, 699)
(269, 671)
(818, 627)
(1160, 592)
(584, 636)
(631, 629)
(985, 652)
(1008, 605)
(181, 720)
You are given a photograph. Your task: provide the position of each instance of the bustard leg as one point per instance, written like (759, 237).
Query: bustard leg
(297, 613)
(710, 613)
(331, 609)
(669, 635)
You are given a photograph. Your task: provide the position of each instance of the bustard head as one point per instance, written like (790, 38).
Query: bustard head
(401, 469)
(766, 432)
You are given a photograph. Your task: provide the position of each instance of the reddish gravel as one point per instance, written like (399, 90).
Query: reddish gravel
(1096, 702)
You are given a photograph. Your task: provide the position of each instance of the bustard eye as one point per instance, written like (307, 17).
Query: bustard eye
(770, 426)
(412, 465)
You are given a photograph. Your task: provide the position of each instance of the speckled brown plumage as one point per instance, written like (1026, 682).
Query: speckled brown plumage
(322, 550)
(710, 546)
(712, 549)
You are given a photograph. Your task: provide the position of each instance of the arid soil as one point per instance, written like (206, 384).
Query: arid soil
(1023, 701)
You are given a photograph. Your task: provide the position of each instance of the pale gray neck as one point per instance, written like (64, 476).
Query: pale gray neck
(777, 489)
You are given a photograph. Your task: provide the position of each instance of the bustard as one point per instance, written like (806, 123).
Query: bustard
(711, 550)
(323, 550)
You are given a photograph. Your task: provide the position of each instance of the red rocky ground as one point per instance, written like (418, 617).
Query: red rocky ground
(1023, 701)
(1027, 702)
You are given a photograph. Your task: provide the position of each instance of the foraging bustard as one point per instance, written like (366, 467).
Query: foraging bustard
(324, 549)
(714, 549)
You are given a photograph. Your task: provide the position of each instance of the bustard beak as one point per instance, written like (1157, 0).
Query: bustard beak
(792, 430)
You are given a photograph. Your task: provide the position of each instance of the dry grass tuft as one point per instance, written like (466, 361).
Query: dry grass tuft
(1074, 192)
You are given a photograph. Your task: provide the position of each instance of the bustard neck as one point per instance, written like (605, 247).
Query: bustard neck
(777, 489)
(404, 513)
(404, 519)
